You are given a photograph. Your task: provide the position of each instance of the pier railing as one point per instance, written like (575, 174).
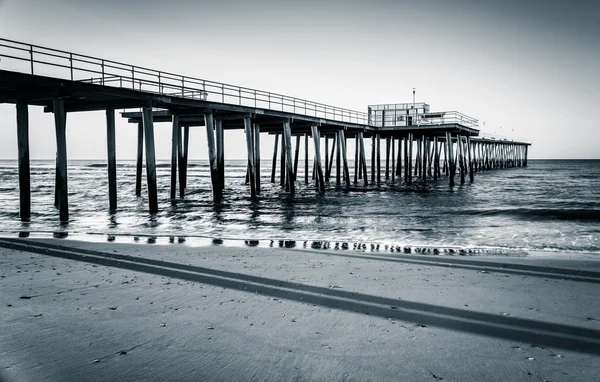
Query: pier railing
(447, 117)
(34, 59)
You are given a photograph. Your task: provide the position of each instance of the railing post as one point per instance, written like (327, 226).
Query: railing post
(182, 86)
(102, 65)
(240, 95)
(133, 77)
(223, 93)
(31, 57)
(71, 64)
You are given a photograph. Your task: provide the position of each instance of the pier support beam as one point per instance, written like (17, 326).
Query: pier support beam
(220, 153)
(316, 139)
(363, 158)
(182, 157)
(256, 157)
(140, 160)
(112, 160)
(436, 158)
(174, 154)
(338, 167)
(459, 142)
(373, 158)
(150, 158)
(273, 170)
(409, 173)
(305, 158)
(251, 157)
(333, 151)
(212, 156)
(296, 156)
(451, 164)
(287, 133)
(356, 160)
(24, 166)
(470, 159)
(378, 159)
(56, 175)
(282, 180)
(342, 140)
(60, 122)
(393, 156)
(327, 167)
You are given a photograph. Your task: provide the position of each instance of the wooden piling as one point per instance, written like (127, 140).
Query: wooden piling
(378, 137)
(305, 158)
(461, 156)
(112, 160)
(274, 158)
(24, 162)
(342, 140)
(180, 164)
(257, 157)
(450, 159)
(333, 151)
(61, 150)
(56, 176)
(220, 153)
(470, 160)
(406, 170)
(287, 133)
(140, 159)
(418, 159)
(327, 168)
(387, 158)
(410, 159)
(338, 167)
(393, 156)
(425, 154)
(296, 157)
(399, 159)
(183, 169)
(363, 158)
(174, 154)
(209, 122)
(251, 157)
(436, 158)
(282, 179)
(150, 158)
(316, 139)
(356, 160)
(373, 158)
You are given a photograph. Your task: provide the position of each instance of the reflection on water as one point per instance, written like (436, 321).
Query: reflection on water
(551, 205)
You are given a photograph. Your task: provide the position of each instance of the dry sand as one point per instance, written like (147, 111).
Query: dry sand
(82, 311)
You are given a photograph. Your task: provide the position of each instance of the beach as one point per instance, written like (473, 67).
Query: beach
(77, 310)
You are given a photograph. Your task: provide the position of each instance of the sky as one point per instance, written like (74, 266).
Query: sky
(528, 68)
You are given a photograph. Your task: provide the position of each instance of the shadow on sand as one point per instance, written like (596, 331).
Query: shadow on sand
(510, 328)
(477, 265)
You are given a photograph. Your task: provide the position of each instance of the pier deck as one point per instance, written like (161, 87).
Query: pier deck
(64, 82)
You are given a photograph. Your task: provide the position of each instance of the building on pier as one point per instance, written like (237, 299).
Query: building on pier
(415, 114)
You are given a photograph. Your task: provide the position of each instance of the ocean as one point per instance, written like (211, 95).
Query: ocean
(551, 205)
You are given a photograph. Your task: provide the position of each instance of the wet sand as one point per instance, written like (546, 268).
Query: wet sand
(75, 310)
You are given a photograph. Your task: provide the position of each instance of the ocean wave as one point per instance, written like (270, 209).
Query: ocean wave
(539, 213)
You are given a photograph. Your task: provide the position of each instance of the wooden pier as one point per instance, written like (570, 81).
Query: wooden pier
(442, 143)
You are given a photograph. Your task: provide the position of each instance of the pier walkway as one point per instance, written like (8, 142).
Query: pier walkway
(64, 82)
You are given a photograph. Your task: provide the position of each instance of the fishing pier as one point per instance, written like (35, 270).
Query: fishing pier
(419, 145)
